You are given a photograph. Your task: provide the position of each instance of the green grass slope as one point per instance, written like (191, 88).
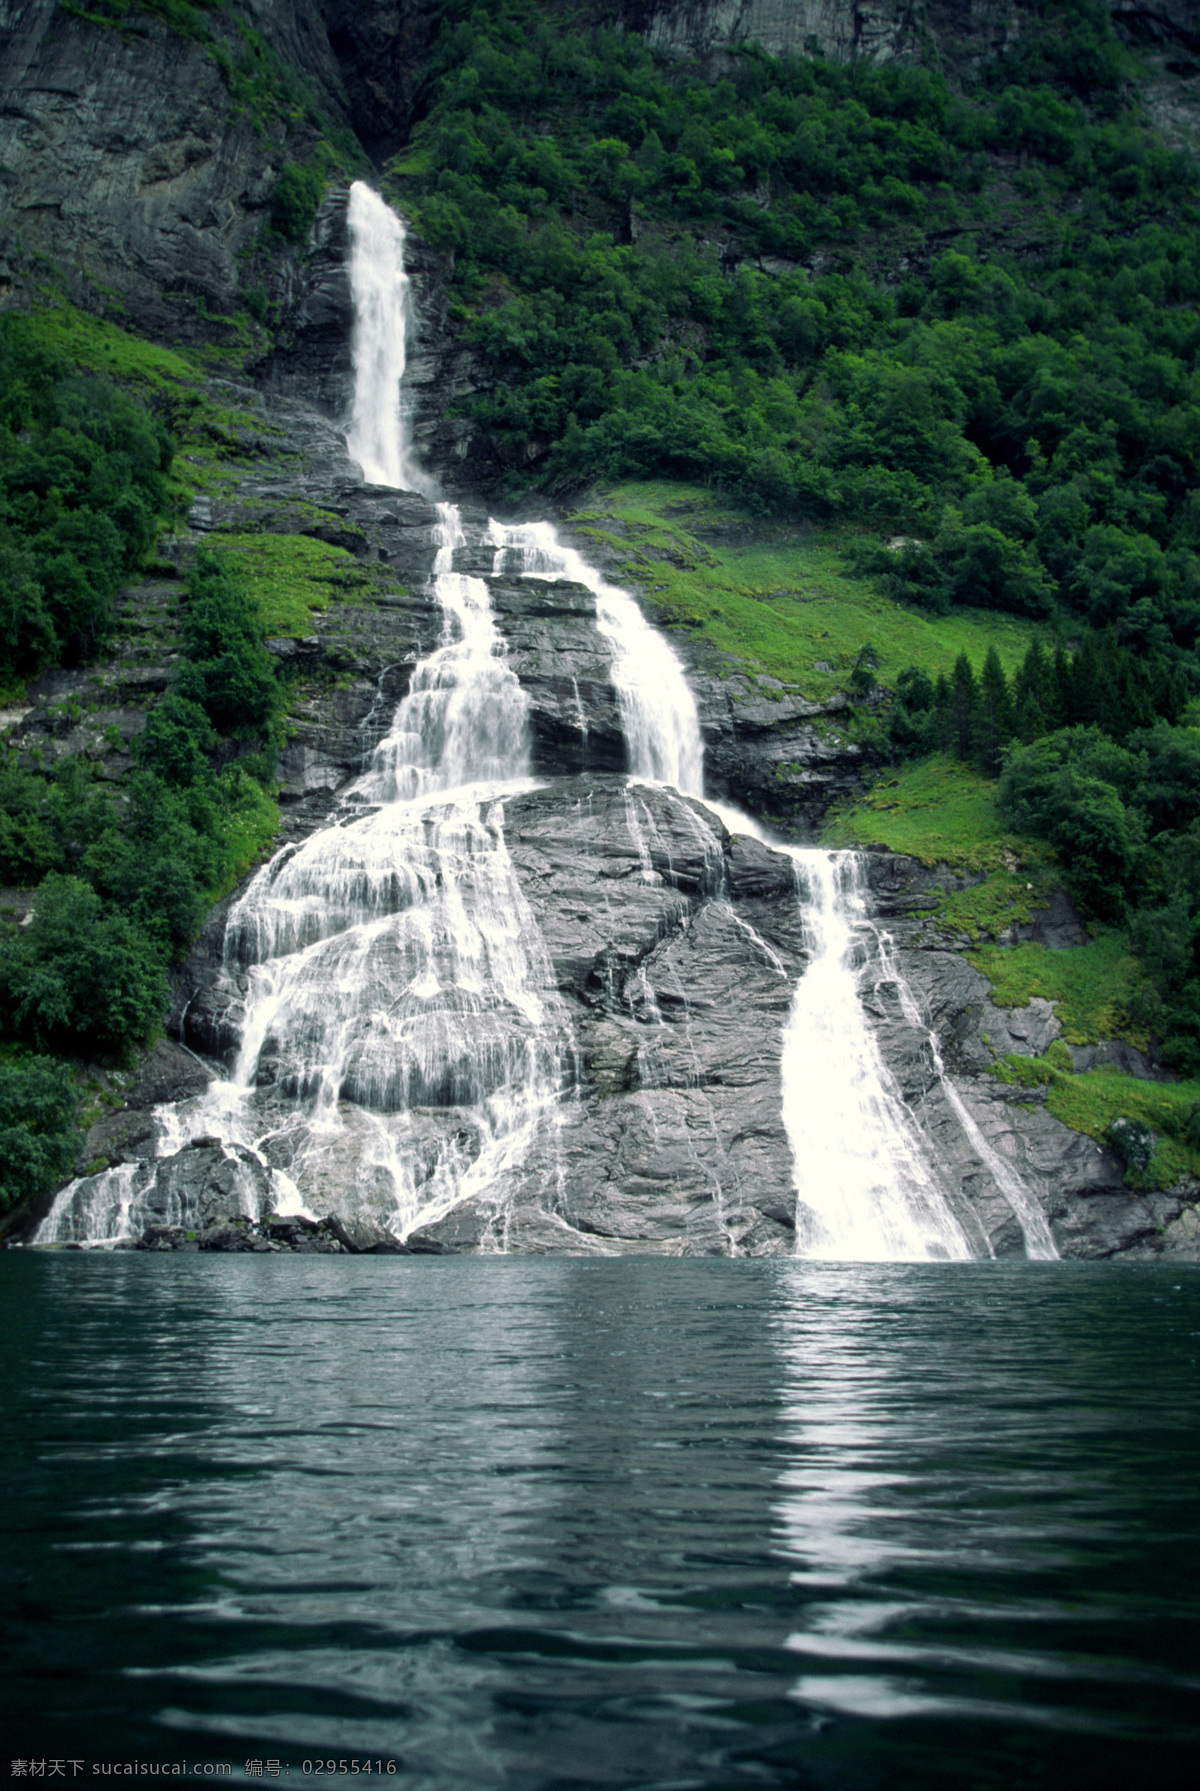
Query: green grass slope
(778, 598)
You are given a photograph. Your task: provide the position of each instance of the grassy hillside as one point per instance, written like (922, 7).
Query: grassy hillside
(942, 812)
(778, 596)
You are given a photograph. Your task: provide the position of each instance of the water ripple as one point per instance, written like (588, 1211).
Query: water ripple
(616, 1523)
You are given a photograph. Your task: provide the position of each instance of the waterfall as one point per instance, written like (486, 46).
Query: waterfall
(658, 711)
(402, 1040)
(377, 438)
(865, 1187)
(868, 1183)
(402, 1036)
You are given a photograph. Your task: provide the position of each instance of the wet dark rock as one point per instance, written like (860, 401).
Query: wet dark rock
(1057, 926)
(565, 667)
(360, 1237)
(206, 1185)
(779, 756)
(1148, 1066)
(168, 1072)
(130, 166)
(277, 1235)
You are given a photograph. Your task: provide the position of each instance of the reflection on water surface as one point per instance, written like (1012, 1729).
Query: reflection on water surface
(606, 1523)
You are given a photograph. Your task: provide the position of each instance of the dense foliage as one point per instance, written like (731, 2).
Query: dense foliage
(82, 482)
(1089, 759)
(294, 202)
(122, 880)
(37, 1105)
(670, 274)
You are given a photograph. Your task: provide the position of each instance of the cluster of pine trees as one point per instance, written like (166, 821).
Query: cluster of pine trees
(977, 715)
(1091, 756)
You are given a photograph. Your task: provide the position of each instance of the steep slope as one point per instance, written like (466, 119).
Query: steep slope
(673, 959)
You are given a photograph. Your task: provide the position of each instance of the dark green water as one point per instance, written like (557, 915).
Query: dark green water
(523, 1524)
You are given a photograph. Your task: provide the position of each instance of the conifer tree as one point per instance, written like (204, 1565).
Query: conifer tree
(1089, 699)
(1061, 713)
(941, 733)
(964, 697)
(1031, 693)
(1173, 694)
(1131, 697)
(994, 722)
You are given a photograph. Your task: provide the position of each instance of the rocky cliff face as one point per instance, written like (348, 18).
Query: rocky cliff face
(673, 946)
(131, 173)
(1079, 1185)
(881, 30)
(960, 34)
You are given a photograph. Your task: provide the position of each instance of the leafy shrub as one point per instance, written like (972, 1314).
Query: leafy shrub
(78, 978)
(294, 202)
(227, 673)
(1133, 1141)
(37, 1137)
(82, 481)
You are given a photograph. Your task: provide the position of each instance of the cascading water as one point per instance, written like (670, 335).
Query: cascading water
(865, 1188)
(402, 1039)
(868, 1183)
(377, 437)
(401, 1035)
(1039, 1243)
(658, 711)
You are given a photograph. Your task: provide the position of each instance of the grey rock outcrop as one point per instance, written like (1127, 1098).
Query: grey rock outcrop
(129, 170)
(1079, 1185)
(960, 34)
(674, 948)
(784, 27)
(771, 752)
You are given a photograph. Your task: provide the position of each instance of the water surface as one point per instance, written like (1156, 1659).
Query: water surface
(630, 1523)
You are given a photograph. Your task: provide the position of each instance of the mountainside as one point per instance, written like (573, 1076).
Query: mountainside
(901, 338)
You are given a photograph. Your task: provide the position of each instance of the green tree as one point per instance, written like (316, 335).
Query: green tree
(294, 202)
(964, 700)
(38, 1140)
(78, 978)
(994, 722)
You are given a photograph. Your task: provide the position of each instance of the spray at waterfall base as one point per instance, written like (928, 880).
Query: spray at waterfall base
(405, 1052)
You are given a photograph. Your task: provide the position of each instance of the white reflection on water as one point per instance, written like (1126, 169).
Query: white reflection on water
(904, 1492)
(374, 1482)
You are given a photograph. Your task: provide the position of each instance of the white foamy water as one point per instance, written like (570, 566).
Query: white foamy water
(402, 1036)
(658, 711)
(402, 1041)
(377, 437)
(866, 1190)
(869, 1184)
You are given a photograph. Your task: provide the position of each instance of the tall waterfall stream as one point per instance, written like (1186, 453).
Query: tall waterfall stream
(394, 970)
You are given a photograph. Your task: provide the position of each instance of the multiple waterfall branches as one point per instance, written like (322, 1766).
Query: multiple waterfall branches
(403, 1042)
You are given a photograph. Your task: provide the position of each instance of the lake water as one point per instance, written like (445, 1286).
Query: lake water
(543, 1524)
